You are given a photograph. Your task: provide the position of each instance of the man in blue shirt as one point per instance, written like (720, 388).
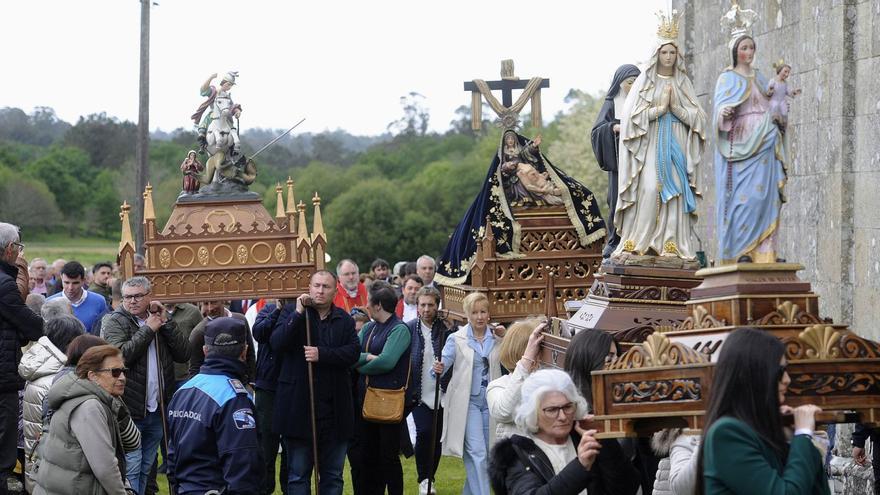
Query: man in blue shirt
(212, 428)
(88, 307)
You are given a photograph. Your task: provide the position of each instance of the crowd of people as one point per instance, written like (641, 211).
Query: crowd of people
(99, 380)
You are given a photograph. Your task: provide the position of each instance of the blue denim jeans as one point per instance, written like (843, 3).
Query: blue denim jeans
(331, 459)
(139, 462)
(476, 445)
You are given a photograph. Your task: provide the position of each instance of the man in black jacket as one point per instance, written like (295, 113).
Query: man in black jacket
(334, 349)
(265, 385)
(151, 343)
(18, 326)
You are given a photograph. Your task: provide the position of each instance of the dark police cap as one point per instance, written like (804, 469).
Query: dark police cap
(225, 331)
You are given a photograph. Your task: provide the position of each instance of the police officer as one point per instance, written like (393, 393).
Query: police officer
(212, 428)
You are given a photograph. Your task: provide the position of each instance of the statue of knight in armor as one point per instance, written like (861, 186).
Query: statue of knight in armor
(217, 125)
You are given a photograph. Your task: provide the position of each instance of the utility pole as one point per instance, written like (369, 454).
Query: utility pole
(142, 144)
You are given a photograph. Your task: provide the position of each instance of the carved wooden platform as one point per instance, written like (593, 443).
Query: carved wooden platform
(517, 286)
(232, 249)
(769, 296)
(666, 380)
(631, 302)
(665, 384)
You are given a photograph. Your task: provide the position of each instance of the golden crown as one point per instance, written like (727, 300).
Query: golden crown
(668, 28)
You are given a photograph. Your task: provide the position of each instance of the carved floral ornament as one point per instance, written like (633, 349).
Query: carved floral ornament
(788, 313)
(824, 342)
(701, 319)
(657, 351)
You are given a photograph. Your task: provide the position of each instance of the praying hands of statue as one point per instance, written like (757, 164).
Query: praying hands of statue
(728, 112)
(666, 99)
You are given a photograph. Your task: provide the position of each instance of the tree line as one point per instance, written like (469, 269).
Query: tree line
(396, 195)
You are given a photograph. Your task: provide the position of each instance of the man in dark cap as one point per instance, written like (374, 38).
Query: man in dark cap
(212, 428)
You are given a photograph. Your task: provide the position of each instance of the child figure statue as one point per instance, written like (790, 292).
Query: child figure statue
(777, 90)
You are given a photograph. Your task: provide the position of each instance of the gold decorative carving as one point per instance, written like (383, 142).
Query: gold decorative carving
(203, 256)
(701, 319)
(222, 254)
(656, 351)
(788, 313)
(184, 256)
(261, 252)
(280, 252)
(241, 253)
(220, 220)
(825, 342)
(164, 258)
(822, 341)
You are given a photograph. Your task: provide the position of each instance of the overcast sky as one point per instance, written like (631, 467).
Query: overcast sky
(340, 64)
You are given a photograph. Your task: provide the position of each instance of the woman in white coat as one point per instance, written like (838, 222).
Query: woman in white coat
(466, 422)
(518, 354)
(38, 366)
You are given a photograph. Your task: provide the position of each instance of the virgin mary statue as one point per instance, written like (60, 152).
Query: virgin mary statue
(520, 176)
(661, 144)
(750, 157)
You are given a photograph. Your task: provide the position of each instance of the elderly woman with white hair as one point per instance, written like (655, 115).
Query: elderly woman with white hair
(555, 455)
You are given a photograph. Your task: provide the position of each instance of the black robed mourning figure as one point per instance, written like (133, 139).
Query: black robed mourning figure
(605, 138)
(520, 176)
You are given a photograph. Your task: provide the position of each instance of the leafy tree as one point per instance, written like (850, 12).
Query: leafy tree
(363, 223)
(41, 128)
(27, 202)
(415, 116)
(572, 150)
(107, 141)
(102, 212)
(66, 172)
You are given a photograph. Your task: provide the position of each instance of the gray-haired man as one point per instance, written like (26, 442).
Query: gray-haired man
(151, 343)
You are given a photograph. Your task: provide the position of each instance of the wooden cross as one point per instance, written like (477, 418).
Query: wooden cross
(506, 85)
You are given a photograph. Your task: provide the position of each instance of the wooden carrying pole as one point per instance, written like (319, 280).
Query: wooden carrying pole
(312, 405)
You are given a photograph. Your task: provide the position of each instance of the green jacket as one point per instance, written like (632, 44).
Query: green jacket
(737, 461)
(187, 316)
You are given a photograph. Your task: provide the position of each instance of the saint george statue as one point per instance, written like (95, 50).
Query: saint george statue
(605, 139)
(750, 156)
(226, 169)
(661, 145)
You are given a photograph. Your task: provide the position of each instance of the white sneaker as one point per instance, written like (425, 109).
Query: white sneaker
(423, 487)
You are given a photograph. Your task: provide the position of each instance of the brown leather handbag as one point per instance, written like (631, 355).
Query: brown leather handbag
(384, 405)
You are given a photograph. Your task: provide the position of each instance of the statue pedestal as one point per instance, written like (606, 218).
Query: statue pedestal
(631, 301)
(223, 248)
(666, 381)
(769, 296)
(517, 286)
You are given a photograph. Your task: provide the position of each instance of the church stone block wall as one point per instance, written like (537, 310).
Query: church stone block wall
(831, 223)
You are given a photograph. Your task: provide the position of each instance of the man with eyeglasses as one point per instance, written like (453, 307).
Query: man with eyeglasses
(18, 326)
(151, 343)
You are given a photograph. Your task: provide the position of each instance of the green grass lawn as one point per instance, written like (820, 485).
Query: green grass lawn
(450, 477)
(86, 250)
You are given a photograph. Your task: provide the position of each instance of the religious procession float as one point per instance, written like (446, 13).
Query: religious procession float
(220, 242)
(534, 241)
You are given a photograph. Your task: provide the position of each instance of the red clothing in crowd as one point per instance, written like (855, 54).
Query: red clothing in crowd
(346, 302)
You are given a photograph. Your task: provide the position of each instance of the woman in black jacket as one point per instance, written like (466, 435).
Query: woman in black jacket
(556, 456)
